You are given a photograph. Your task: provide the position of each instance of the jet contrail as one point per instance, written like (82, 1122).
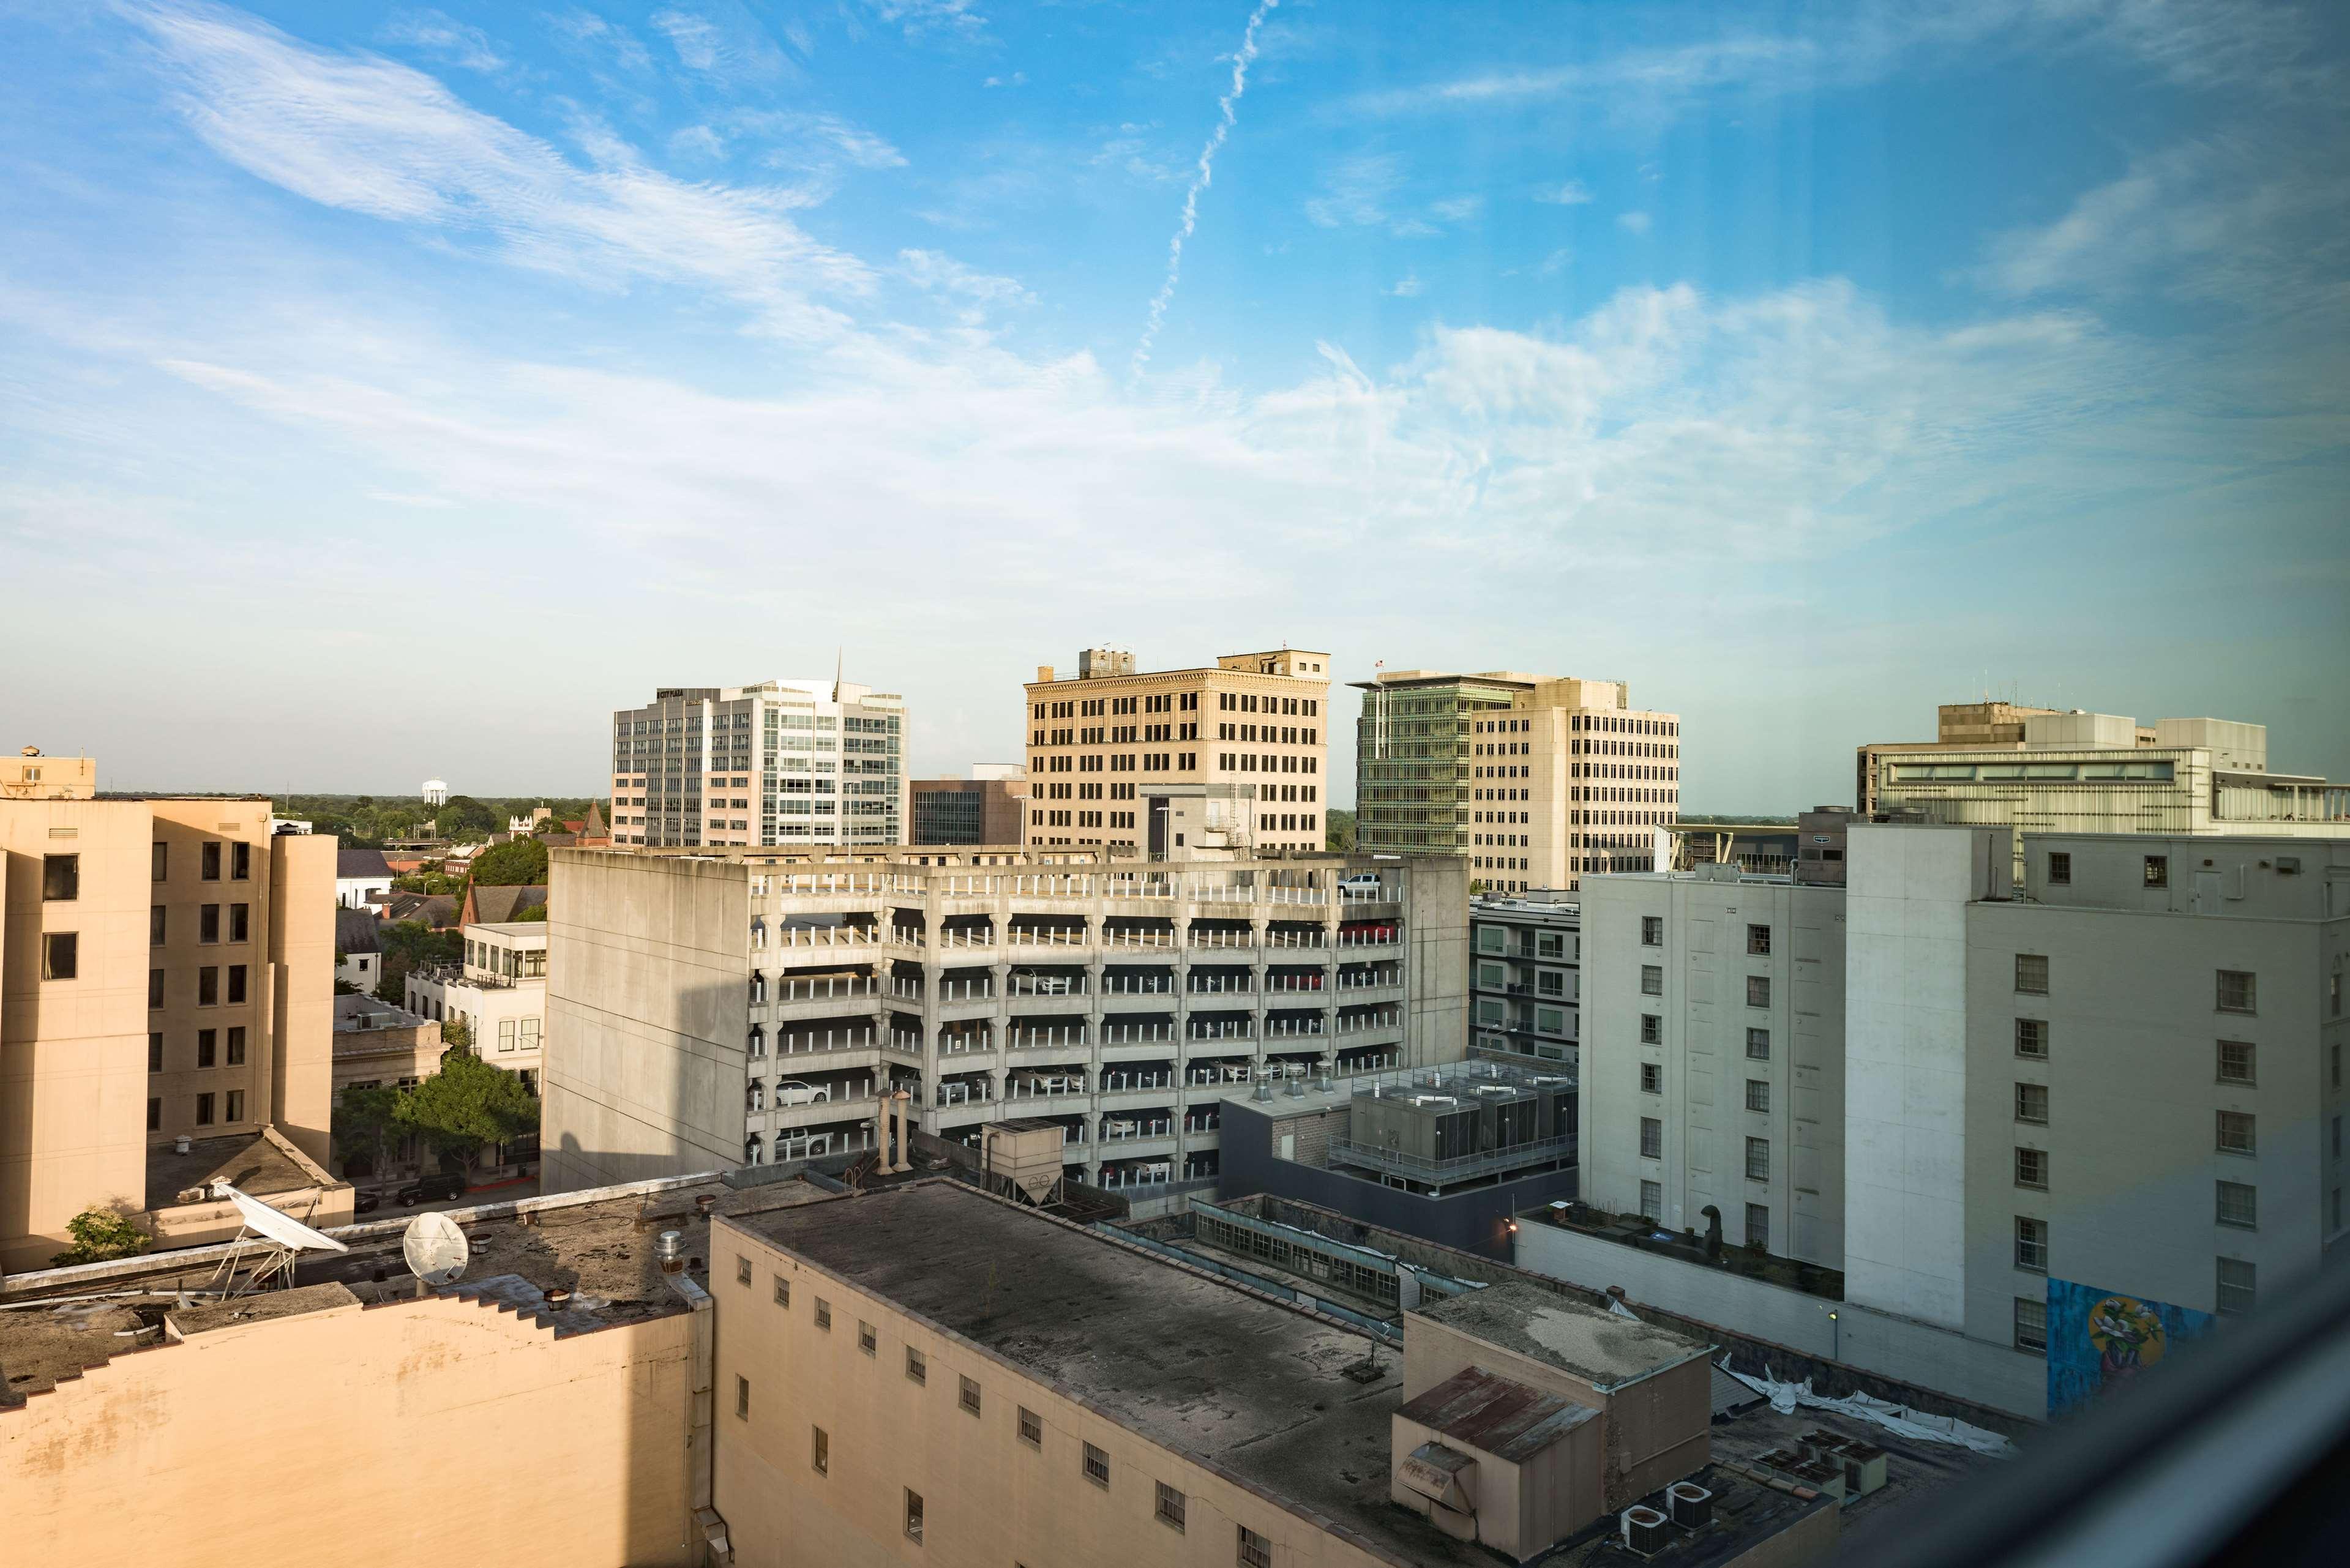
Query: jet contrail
(1225, 108)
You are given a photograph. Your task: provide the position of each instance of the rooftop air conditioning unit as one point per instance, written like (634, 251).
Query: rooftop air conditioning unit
(1645, 1531)
(1434, 1100)
(1692, 1505)
(1495, 1089)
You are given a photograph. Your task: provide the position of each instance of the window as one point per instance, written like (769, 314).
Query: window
(154, 987)
(155, 1051)
(1757, 1159)
(2032, 1169)
(208, 986)
(2237, 1281)
(235, 983)
(155, 1116)
(159, 862)
(2236, 1133)
(1170, 1508)
(1097, 1466)
(914, 1514)
(2060, 868)
(969, 1398)
(156, 925)
(1758, 1225)
(1758, 1045)
(823, 1313)
(1032, 1427)
(204, 1110)
(1652, 1029)
(1758, 939)
(60, 955)
(237, 1045)
(918, 1367)
(1758, 990)
(783, 1292)
(2236, 1061)
(240, 862)
(1652, 1200)
(1758, 1095)
(2236, 991)
(209, 859)
(742, 1271)
(2157, 870)
(2031, 1244)
(2032, 1102)
(820, 1451)
(1255, 1551)
(1652, 979)
(2032, 973)
(60, 878)
(2238, 1205)
(2032, 1038)
(743, 1398)
(866, 1341)
(207, 1042)
(1653, 1138)
(1652, 1078)
(208, 923)
(240, 923)
(2032, 1326)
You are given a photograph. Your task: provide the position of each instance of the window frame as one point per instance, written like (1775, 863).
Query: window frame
(1094, 1465)
(1758, 1146)
(1030, 1428)
(1170, 1516)
(2024, 1092)
(2031, 1237)
(2027, 974)
(61, 872)
(2250, 1078)
(2251, 1128)
(2249, 1216)
(2035, 1339)
(2038, 1157)
(2251, 1004)
(60, 955)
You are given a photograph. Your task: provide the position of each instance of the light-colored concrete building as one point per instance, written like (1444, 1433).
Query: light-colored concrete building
(362, 878)
(782, 762)
(2039, 771)
(166, 969)
(1526, 975)
(1539, 781)
(498, 994)
(1233, 756)
(2121, 1076)
(752, 1007)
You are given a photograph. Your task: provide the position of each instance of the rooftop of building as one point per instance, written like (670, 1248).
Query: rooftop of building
(524, 932)
(576, 1262)
(255, 1164)
(1556, 904)
(1250, 1386)
(1504, 1417)
(358, 931)
(362, 1014)
(1602, 1348)
(356, 863)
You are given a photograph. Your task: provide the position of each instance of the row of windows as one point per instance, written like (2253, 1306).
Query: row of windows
(2235, 1288)
(1169, 1504)
(1269, 763)
(234, 1105)
(1271, 735)
(208, 1048)
(2234, 989)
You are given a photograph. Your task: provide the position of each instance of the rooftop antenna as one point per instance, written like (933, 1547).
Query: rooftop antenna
(284, 1239)
(435, 1248)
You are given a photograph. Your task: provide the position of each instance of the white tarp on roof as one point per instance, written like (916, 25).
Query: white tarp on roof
(1896, 1418)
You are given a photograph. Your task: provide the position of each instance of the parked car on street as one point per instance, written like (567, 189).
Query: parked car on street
(432, 1189)
(366, 1202)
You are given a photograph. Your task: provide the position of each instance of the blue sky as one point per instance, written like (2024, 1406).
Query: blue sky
(389, 392)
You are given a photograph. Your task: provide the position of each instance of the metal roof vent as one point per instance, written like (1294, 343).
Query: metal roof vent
(1296, 1090)
(1264, 1090)
(669, 1248)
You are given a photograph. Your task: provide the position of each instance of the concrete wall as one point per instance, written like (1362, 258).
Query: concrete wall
(648, 1018)
(988, 1497)
(302, 1008)
(1436, 960)
(366, 1428)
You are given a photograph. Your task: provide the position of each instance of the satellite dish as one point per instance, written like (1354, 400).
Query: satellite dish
(280, 1227)
(435, 1248)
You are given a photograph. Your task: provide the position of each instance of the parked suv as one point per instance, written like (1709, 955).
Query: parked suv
(793, 1092)
(431, 1190)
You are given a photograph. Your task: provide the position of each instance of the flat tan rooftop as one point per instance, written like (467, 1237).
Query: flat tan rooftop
(1597, 1346)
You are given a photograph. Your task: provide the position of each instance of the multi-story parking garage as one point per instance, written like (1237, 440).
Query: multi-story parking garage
(751, 1008)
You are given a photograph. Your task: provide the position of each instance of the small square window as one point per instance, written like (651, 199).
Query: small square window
(1758, 939)
(2060, 868)
(743, 1398)
(2032, 1326)
(1758, 1045)
(2031, 1167)
(60, 955)
(1097, 1466)
(1652, 1078)
(783, 1292)
(2240, 1205)
(1652, 979)
(1758, 1095)
(820, 1451)
(1757, 1159)
(1652, 1029)
(60, 878)
(2158, 871)
(2031, 1244)
(2032, 1038)
(914, 1514)
(1652, 930)
(867, 1340)
(2032, 973)
(1170, 1508)
(969, 1398)
(2236, 1061)
(1032, 1427)
(823, 1313)
(1758, 990)
(742, 1271)
(1653, 1138)
(1652, 1200)
(918, 1367)
(2031, 1103)
(1255, 1551)
(2236, 1133)
(2237, 1286)
(2237, 991)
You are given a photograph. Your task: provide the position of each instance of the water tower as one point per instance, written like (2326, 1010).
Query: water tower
(436, 792)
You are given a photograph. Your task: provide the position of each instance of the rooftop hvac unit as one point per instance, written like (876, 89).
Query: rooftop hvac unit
(1692, 1505)
(1644, 1531)
(1495, 1089)
(1434, 1100)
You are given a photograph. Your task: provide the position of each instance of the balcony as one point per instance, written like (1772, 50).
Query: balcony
(1221, 940)
(1048, 1037)
(1439, 1173)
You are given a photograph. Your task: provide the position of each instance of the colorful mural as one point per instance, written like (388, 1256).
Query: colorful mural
(2100, 1338)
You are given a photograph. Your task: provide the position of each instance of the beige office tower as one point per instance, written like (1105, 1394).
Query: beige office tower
(784, 762)
(166, 971)
(1538, 780)
(1228, 756)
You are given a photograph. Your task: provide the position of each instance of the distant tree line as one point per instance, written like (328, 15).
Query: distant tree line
(370, 822)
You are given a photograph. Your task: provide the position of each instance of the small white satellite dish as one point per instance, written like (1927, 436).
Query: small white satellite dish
(280, 1227)
(435, 1248)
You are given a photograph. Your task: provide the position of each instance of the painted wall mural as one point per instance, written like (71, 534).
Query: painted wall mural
(2098, 1339)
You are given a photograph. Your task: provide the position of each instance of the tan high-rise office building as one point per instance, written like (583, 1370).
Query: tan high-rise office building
(1237, 750)
(166, 970)
(1538, 780)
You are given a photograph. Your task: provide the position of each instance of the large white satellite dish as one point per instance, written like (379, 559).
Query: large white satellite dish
(435, 1248)
(280, 1227)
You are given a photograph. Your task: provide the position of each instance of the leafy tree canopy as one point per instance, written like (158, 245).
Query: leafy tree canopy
(1339, 827)
(100, 1235)
(518, 863)
(468, 1106)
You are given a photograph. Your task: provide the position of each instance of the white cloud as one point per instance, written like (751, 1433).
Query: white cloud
(974, 291)
(1355, 191)
(1557, 262)
(1458, 208)
(369, 136)
(1406, 287)
(1017, 79)
(443, 38)
(725, 54)
(1636, 222)
(1573, 194)
(957, 18)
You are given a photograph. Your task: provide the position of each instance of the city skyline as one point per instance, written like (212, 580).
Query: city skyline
(1803, 373)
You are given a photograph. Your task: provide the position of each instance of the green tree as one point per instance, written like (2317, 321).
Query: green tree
(100, 1235)
(536, 912)
(457, 1034)
(518, 863)
(463, 817)
(1339, 827)
(468, 1106)
(368, 1127)
(411, 945)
